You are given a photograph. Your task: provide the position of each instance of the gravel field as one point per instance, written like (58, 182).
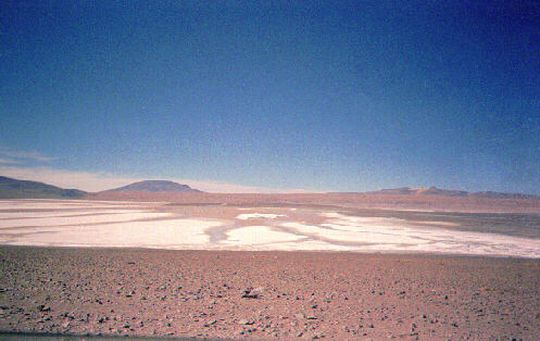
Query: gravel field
(267, 295)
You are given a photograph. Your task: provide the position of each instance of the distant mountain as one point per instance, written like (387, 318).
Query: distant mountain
(19, 189)
(422, 191)
(437, 191)
(400, 190)
(155, 186)
(499, 195)
(453, 193)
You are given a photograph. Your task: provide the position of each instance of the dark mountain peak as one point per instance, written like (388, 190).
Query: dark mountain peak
(14, 188)
(156, 186)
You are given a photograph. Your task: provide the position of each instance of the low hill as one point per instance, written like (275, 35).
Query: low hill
(155, 186)
(18, 189)
(452, 193)
(500, 195)
(421, 191)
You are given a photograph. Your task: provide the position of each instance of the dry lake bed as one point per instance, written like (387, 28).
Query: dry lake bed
(281, 271)
(264, 228)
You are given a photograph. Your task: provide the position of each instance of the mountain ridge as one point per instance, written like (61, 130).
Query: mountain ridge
(11, 188)
(453, 193)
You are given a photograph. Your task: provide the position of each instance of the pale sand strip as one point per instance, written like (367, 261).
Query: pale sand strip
(61, 213)
(81, 220)
(51, 204)
(255, 235)
(247, 216)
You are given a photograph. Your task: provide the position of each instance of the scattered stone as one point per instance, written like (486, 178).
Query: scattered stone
(26, 307)
(210, 323)
(246, 322)
(253, 293)
(44, 308)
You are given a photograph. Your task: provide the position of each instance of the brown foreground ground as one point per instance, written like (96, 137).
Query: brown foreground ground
(265, 295)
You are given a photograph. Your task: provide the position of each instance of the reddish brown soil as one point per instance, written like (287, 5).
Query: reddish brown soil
(298, 294)
(340, 200)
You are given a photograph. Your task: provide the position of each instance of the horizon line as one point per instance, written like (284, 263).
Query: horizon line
(44, 176)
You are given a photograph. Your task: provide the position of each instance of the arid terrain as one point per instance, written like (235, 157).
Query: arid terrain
(269, 170)
(271, 266)
(375, 200)
(264, 295)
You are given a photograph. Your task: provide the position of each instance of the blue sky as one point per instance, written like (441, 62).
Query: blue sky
(331, 96)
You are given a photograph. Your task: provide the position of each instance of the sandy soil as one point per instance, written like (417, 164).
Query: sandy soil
(340, 200)
(262, 295)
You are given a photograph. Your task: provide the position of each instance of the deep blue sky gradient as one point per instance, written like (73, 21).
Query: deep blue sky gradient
(338, 96)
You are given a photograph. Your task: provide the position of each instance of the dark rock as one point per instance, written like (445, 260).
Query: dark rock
(246, 322)
(253, 293)
(44, 308)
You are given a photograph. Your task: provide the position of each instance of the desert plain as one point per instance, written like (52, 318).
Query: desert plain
(336, 266)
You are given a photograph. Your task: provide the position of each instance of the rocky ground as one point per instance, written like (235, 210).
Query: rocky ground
(264, 295)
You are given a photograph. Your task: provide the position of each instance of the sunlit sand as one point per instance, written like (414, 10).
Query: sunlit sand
(247, 216)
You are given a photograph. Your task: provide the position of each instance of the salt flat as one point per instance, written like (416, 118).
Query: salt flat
(247, 216)
(30, 214)
(166, 234)
(100, 224)
(82, 219)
